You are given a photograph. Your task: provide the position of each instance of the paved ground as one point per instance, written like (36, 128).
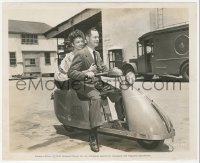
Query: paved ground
(34, 127)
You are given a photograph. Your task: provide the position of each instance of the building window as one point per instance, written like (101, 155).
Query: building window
(30, 62)
(47, 58)
(29, 39)
(13, 60)
(115, 58)
(61, 47)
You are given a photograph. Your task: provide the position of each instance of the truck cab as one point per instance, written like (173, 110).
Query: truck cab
(162, 52)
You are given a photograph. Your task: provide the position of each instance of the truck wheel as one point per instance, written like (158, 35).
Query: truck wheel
(185, 72)
(150, 144)
(148, 77)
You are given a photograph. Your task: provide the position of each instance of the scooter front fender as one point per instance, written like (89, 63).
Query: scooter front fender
(145, 119)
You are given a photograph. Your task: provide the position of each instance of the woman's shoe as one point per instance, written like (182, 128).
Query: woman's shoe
(93, 143)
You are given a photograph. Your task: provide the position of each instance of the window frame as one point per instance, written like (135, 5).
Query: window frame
(149, 43)
(47, 58)
(13, 59)
(32, 63)
(29, 62)
(61, 47)
(29, 39)
(112, 58)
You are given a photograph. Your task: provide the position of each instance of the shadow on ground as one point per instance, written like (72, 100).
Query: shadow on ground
(123, 144)
(162, 79)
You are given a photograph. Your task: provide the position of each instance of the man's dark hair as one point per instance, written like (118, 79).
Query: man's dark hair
(75, 34)
(88, 33)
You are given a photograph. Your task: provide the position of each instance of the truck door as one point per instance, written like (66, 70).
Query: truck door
(161, 54)
(148, 52)
(141, 58)
(145, 52)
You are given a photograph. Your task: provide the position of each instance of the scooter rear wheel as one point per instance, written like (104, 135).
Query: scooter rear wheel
(150, 144)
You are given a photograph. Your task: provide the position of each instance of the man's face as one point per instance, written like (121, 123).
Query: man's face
(93, 40)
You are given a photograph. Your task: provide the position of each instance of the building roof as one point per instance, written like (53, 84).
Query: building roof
(18, 26)
(62, 29)
(165, 30)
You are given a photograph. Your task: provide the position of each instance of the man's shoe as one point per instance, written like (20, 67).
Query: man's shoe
(68, 128)
(52, 96)
(94, 144)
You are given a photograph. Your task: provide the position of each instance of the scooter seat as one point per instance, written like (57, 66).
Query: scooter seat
(109, 91)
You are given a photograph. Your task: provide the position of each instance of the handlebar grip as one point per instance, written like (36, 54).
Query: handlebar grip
(101, 74)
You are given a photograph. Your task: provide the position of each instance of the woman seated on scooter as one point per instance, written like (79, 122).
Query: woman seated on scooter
(77, 41)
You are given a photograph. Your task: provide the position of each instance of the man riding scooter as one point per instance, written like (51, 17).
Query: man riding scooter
(91, 88)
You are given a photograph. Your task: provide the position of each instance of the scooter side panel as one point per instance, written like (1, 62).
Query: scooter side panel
(70, 110)
(145, 120)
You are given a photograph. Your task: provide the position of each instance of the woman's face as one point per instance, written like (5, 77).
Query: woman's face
(78, 43)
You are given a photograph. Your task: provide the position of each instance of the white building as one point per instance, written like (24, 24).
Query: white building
(30, 52)
(120, 28)
(122, 31)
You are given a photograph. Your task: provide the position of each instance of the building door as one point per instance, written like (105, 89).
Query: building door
(31, 64)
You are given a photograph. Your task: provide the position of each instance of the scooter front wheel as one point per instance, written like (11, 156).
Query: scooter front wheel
(150, 144)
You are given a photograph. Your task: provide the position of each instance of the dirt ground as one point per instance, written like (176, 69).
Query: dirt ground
(34, 127)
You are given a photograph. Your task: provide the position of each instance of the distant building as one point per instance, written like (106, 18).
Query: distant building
(30, 52)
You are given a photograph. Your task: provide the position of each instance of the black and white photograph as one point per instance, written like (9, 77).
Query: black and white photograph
(100, 81)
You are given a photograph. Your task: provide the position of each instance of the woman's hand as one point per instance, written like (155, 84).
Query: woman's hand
(90, 74)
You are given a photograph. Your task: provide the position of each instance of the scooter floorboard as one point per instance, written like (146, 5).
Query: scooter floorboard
(110, 128)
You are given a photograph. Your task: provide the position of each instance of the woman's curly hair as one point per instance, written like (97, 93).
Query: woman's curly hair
(75, 34)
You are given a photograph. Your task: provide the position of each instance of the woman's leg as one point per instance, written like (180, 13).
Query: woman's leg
(62, 85)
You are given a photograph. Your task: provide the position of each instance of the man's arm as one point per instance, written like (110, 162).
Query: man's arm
(75, 70)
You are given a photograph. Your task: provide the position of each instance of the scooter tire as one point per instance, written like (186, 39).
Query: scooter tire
(185, 72)
(150, 144)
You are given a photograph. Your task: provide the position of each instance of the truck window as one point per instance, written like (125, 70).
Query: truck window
(149, 47)
(140, 50)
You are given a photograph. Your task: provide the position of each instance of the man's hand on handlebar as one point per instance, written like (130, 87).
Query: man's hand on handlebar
(93, 68)
(90, 74)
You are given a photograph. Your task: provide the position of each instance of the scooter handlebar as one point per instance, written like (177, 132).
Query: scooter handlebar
(101, 74)
(108, 74)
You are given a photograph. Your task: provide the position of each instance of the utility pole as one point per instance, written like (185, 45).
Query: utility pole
(160, 23)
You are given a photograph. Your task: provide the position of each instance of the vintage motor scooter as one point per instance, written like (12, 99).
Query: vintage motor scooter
(144, 120)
